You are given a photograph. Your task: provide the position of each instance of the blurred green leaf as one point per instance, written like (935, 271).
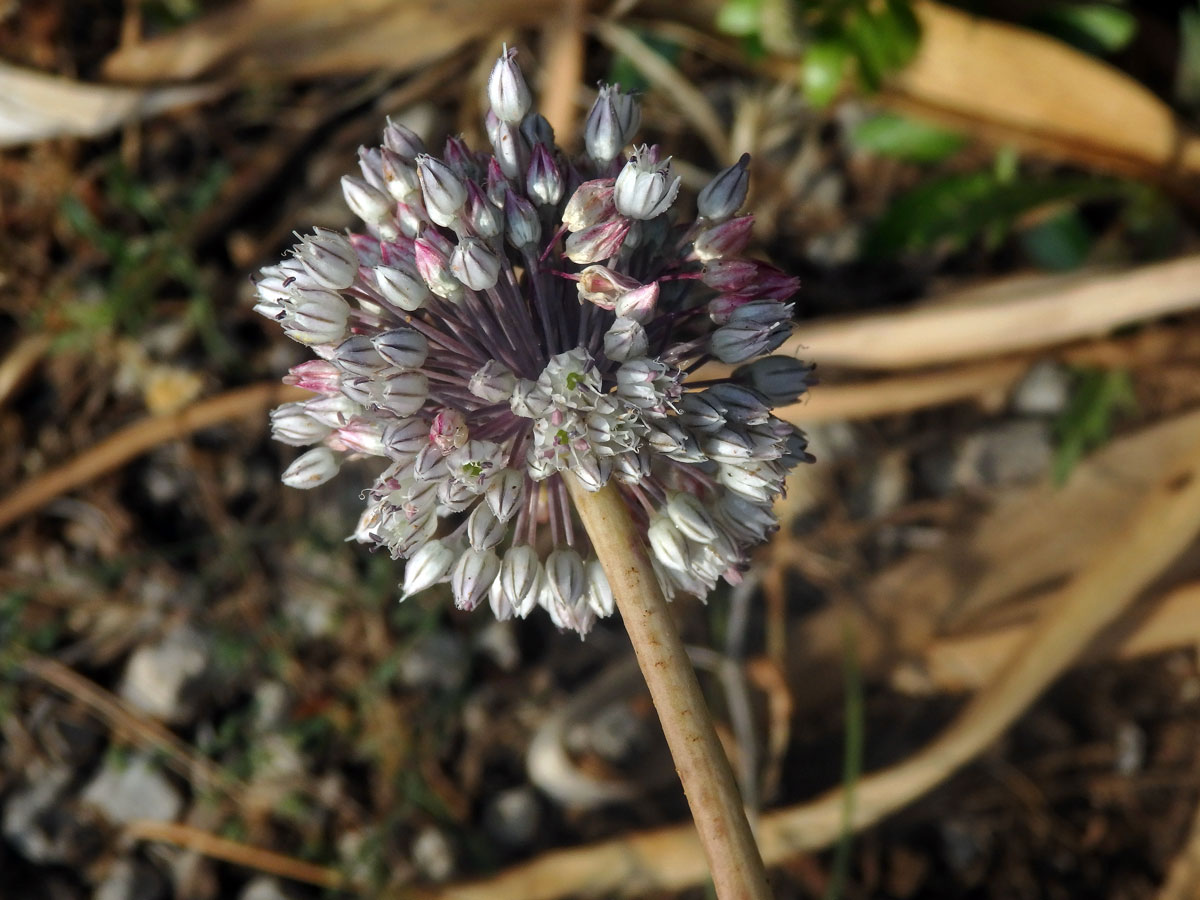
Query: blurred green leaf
(740, 17)
(907, 139)
(822, 70)
(1098, 28)
(622, 71)
(1187, 72)
(1060, 243)
(949, 212)
(1099, 396)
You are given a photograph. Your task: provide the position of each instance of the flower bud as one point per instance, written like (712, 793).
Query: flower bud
(400, 177)
(667, 543)
(475, 265)
(402, 285)
(316, 316)
(565, 576)
(611, 124)
(402, 141)
(688, 513)
(328, 257)
(739, 404)
(449, 431)
(311, 469)
(599, 593)
(404, 348)
(369, 203)
(645, 189)
(404, 440)
(544, 181)
(625, 339)
(521, 577)
(404, 393)
(724, 195)
(727, 239)
(428, 566)
(602, 286)
(334, 410)
(360, 435)
(443, 191)
(317, 375)
(484, 530)
(481, 214)
(356, 356)
(433, 263)
(522, 226)
(639, 303)
(601, 241)
(780, 379)
(512, 150)
(537, 130)
(507, 92)
(292, 425)
(472, 577)
(592, 202)
(493, 382)
(504, 493)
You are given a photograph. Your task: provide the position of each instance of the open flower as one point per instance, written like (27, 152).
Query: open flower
(506, 320)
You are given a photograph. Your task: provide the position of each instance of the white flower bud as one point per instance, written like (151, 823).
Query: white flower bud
(504, 493)
(722, 197)
(329, 258)
(543, 182)
(521, 578)
(599, 593)
(475, 265)
(311, 469)
(645, 189)
(400, 177)
(369, 203)
(689, 514)
(356, 356)
(292, 425)
(405, 439)
(402, 141)
(667, 543)
(565, 576)
(625, 339)
(493, 382)
(404, 348)
(401, 285)
(512, 150)
(444, 194)
(404, 393)
(316, 316)
(507, 92)
(429, 565)
(484, 530)
(611, 124)
(472, 576)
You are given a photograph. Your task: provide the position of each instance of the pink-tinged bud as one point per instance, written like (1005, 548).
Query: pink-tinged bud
(749, 278)
(602, 241)
(443, 191)
(311, 469)
(448, 431)
(483, 217)
(497, 185)
(458, 156)
(475, 265)
(369, 203)
(603, 287)
(511, 149)
(724, 195)
(361, 435)
(639, 303)
(727, 239)
(592, 202)
(645, 188)
(507, 92)
(544, 181)
(434, 265)
(523, 228)
(316, 375)
(329, 258)
(611, 124)
(402, 141)
(367, 248)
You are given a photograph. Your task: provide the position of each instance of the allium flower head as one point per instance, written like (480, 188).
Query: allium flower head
(506, 318)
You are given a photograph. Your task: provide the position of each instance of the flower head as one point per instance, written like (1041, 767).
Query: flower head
(510, 319)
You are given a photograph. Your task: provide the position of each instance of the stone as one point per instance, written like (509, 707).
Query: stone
(166, 679)
(28, 822)
(1011, 453)
(136, 790)
(513, 816)
(1044, 391)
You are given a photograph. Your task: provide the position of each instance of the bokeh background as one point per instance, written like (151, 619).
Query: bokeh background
(985, 589)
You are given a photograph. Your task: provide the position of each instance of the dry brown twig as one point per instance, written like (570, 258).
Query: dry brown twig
(562, 70)
(139, 437)
(1165, 524)
(20, 362)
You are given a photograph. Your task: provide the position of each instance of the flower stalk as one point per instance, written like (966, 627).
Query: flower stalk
(708, 782)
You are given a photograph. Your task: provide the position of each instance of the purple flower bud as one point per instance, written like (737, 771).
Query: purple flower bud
(544, 181)
(645, 188)
(475, 265)
(402, 285)
(724, 195)
(311, 469)
(404, 348)
(458, 156)
(369, 203)
(329, 258)
(511, 149)
(483, 217)
(292, 425)
(611, 124)
(639, 303)
(443, 191)
(522, 226)
(727, 239)
(472, 576)
(402, 141)
(537, 130)
(780, 379)
(592, 202)
(507, 92)
(315, 316)
(740, 405)
(601, 241)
